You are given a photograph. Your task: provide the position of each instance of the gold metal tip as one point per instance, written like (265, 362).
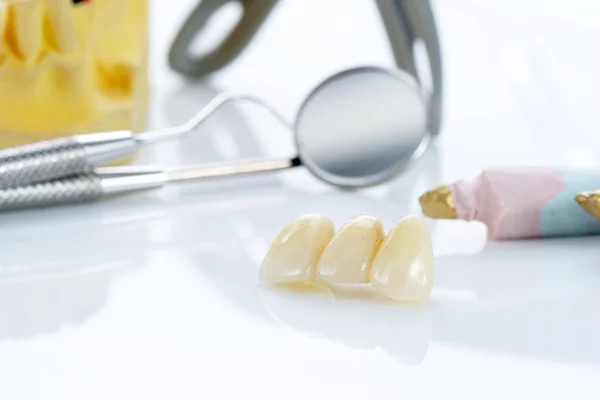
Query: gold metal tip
(438, 203)
(582, 198)
(590, 202)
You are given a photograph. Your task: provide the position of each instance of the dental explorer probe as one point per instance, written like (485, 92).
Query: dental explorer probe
(358, 128)
(77, 154)
(111, 181)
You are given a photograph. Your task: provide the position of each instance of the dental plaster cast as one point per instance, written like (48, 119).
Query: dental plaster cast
(71, 67)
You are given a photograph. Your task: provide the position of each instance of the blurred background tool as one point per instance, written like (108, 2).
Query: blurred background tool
(409, 24)
(518, 203)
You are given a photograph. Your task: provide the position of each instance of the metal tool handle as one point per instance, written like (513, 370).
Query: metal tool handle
(63, 157)
(77, 189)
(41, 161)
(183, 61)
(118, 180)
(405, 22)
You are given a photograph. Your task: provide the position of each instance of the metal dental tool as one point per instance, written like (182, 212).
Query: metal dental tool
(358, 128)
(409, 24)
(73, 155)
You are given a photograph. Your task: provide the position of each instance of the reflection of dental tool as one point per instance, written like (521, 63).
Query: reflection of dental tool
(48, 303)
(489, 275)
(84, 252)
(62, 282)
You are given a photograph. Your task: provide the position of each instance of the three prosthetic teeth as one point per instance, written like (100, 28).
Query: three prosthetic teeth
(399, 265)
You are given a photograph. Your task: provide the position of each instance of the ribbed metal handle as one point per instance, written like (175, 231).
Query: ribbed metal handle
(41, 162)
(77, 189)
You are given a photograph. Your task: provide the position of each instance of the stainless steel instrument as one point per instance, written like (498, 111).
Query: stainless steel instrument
(72, 155)
(358, 128)
(111, 181)
(406, 22)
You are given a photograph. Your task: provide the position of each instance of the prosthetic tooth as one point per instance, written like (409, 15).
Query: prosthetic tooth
(294, 253)
(399, 266)
(349, 256)
(403, 268)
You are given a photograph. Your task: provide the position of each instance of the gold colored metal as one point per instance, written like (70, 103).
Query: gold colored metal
(590, 202)
(438, 203)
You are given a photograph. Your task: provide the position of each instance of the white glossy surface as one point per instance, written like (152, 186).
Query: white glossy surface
(155, 296)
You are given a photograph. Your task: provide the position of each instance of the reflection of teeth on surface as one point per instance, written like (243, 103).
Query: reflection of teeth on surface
(61, 33)
(349, 255)
(400, 268)
(379, 326)
(294, 253)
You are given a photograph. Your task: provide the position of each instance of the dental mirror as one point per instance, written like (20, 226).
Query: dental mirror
(362, 127)
(358, 128)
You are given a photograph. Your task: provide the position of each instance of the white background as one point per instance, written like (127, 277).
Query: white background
(155, 296)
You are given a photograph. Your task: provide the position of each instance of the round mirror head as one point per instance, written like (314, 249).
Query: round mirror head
(362, 127)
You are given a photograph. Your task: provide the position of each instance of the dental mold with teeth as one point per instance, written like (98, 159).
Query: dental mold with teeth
(70, 67)
(399, 265)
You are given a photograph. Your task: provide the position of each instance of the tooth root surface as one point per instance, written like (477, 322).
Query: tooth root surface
(27, 30)
(63, 32)
(403, 268)
(349, 256)
(3, 9)
(294, 253)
